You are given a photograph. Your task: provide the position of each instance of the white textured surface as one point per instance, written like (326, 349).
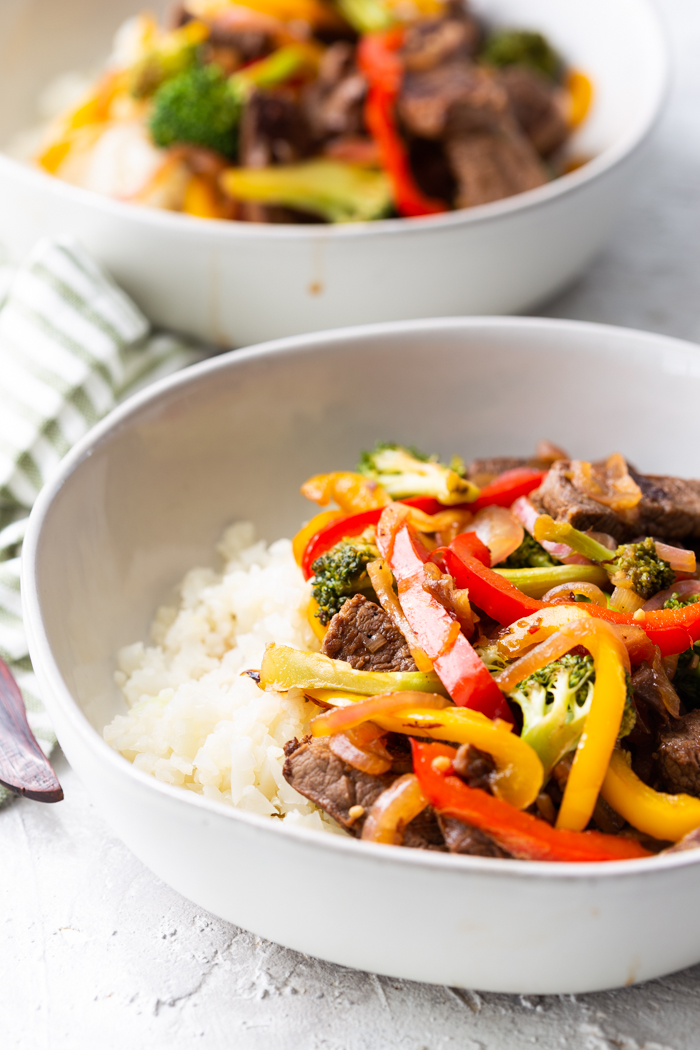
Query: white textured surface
(96, 953)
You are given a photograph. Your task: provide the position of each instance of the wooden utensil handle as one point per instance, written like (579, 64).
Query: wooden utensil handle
(24, 768)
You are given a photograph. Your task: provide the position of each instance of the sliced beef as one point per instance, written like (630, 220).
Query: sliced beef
(536, 103)
(558, 498)
(464, 838)
(333, 103)
(315, 772)
(432, 42)
(678, 755)
(273, 130)
(367, 638)
(475, 767)
(669, 508)
(489, 166)
(431, 169)
(457, 98)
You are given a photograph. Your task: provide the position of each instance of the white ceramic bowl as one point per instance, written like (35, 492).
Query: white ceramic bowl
(145, 496)
(237, 283)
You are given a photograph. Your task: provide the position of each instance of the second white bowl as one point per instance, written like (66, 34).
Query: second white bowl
(235, 283)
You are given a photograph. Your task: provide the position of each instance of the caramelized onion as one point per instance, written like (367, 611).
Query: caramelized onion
(393, 810)
(383, 582)
(340, 719)
(610, 483)
(680, 560)
(564, 592)
(442, 587)
(683, 588)
(363, 748)
(499, 530)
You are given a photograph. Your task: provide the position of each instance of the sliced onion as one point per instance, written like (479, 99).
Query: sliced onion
(683, 588)
(442, 588)
(499, 530)
(340, 719)
(527, 514)
(625, 600)
(361, 750)
(383, 582)
(680, 560)
(393, 810)
(564, 592)
(636, 641)
(570, 635)
(603, 538)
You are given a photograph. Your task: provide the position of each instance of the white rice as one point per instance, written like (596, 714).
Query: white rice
(193, 719)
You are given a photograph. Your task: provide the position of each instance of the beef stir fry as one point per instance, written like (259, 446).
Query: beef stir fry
(510, 656)
(320, 111)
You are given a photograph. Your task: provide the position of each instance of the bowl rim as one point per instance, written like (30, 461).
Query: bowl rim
(527, 202)
(60, 695)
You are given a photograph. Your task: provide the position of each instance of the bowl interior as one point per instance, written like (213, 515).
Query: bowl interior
(616, 42)
(145, 497)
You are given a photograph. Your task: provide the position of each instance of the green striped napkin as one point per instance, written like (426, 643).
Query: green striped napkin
(72, 346)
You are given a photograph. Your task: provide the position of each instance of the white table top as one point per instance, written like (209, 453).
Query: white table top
(97, 953)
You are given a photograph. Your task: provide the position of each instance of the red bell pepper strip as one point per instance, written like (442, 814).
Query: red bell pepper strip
(353, 525)
(501, 600)
(457, 664)
(509, 486)
(378, 60)
(525, 836)
(673, 630)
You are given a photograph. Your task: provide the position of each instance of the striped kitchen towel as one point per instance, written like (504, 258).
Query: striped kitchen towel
(72, 345)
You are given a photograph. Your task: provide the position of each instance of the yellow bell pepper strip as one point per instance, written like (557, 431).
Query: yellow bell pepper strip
(580, 90)
(354, 493)
(533, 629)
(461, 669)
(301, 540)
(653, 812)
(312, 616)
(602, 726)
(519, 772)
(284, 668)
(523, 835)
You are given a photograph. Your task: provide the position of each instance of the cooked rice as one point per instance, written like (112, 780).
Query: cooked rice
(194, 720)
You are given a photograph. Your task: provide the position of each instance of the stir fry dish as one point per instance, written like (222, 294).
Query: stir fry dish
(302, 111)
(509, 657)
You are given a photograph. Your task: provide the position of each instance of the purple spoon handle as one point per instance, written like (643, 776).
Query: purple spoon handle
(24, 768)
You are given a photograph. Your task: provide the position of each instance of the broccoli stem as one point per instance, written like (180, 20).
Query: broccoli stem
(536, 582)
(284, 668)
(546, 529)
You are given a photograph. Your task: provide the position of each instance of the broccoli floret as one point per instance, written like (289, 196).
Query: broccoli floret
(529, 555)
(639, 567)
(686, 680)
(516, 47)
(635, 566)
(676, 602)
(341, 573)
(555, 702)
(490, 655)
(403, 472)
(201, 106)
